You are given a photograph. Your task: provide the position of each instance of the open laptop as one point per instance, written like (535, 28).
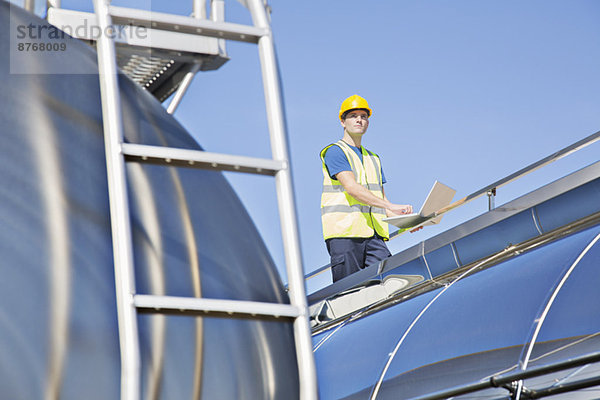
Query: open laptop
(439, 197)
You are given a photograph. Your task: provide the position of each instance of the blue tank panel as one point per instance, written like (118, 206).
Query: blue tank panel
(576, 308)
(570, 327)
(351, 358)
(493, 238)
(191, 234)
(442, 260)
(577, 203)
(492, 309)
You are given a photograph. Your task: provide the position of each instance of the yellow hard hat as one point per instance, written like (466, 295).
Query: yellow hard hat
(353, 102)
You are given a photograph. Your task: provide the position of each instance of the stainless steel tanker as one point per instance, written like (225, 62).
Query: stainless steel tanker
(503, 306)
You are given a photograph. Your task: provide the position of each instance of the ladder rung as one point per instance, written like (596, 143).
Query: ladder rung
(213, 307)
(179, 23)
(200, 159)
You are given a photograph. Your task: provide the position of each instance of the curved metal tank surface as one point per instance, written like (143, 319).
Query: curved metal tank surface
(192, 237)
(475, 327)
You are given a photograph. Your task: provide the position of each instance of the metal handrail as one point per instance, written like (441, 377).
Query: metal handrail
(491, 188)
(498, 381)
(524, 171)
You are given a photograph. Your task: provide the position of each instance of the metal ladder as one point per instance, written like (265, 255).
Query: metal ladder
(118, 153)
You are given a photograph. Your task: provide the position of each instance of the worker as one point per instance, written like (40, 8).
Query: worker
(353, 202)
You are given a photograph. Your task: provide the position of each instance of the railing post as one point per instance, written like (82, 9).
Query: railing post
(491, 199)
(29, 5)
(199, 9)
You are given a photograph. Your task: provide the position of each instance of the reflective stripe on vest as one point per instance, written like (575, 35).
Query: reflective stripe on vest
(341, 214)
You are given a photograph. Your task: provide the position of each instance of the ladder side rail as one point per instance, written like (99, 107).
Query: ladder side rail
(119, 209)
(287, 209)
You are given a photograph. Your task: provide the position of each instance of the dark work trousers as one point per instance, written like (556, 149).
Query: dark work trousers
(350, 255)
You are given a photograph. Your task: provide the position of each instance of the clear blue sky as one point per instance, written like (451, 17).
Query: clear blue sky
(463, 91)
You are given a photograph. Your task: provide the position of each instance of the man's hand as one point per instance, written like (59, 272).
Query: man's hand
(346, 178)
(398, 209)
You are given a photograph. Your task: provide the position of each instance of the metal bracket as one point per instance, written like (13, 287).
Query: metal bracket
(491, 199)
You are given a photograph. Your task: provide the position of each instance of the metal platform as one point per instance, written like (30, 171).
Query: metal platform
(157, 50)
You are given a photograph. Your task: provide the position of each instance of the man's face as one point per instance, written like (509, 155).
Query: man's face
(356, 122)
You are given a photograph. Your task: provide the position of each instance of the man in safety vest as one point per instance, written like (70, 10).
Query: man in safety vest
(353, 203)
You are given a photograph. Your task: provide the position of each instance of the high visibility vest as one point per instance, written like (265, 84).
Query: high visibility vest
(341, 214)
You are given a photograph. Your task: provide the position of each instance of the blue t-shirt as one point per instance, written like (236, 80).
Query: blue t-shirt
(336, 161)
